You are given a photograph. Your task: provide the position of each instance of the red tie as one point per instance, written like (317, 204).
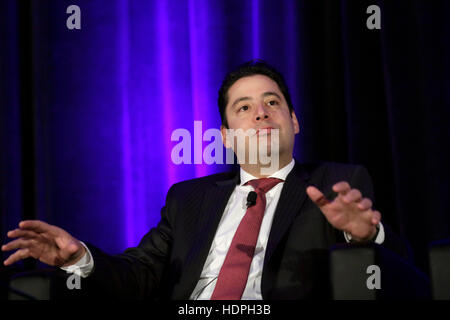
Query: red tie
(234, 272)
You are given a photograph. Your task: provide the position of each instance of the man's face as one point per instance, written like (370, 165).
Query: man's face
(256, 102)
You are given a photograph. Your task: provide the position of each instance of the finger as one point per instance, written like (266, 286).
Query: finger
(16, 233)
(37, 226)
(16, 244)
(316, 196)
(16, 256)
(365, 204)
(354, 195)
(341, 187)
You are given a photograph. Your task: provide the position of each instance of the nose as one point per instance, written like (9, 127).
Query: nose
(261, 113)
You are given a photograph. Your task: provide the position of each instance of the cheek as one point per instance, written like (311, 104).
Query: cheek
(238, 123)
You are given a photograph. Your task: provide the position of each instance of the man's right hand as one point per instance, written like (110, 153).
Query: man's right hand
(49, 244)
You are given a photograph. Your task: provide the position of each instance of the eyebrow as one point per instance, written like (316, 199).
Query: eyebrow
(265, 94)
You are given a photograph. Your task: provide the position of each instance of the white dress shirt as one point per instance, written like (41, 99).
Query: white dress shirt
(232, 216)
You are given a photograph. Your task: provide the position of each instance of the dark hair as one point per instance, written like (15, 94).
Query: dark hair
(251, 68)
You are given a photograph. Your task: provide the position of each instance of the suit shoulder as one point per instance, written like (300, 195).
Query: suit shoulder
(333, 167)
(201, 183)
(332, 172)
(326, 174)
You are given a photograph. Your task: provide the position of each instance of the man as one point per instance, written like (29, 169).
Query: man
(238, 235)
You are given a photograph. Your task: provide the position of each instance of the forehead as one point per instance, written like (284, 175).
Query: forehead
(252, 86)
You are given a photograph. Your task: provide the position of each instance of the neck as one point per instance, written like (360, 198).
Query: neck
(255, 169)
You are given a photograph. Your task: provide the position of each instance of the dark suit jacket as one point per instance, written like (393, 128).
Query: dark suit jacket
(169, 259)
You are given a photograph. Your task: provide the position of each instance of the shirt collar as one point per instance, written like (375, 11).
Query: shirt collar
(280, 174)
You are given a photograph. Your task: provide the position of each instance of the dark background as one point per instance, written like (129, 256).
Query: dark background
(86, 115)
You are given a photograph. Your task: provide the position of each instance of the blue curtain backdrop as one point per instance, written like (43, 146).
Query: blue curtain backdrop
(87, 115)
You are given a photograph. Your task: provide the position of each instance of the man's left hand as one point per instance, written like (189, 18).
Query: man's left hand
(349, 211)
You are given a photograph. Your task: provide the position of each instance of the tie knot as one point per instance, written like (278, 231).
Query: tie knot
(264, 184)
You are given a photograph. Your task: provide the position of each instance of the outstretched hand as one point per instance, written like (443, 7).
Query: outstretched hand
(349, 211)
(49, 244)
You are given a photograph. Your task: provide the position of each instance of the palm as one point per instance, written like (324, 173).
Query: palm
(47, 243)
(346, 217)
(348, 212)
(47, 250)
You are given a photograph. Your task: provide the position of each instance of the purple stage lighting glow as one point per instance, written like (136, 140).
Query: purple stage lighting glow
(255, 29)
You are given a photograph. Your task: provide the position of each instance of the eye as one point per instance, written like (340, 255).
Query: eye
(272, 102)
(243, 108)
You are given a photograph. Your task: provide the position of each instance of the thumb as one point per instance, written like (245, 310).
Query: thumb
(73, 248)
(316, 196)
(68, 247)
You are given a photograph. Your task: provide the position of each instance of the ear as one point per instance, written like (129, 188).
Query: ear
(295, 122)
(223, 131)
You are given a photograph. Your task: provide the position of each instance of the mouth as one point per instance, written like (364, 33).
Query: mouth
(264, 130)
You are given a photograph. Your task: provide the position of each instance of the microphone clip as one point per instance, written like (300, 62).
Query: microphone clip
(251, 198)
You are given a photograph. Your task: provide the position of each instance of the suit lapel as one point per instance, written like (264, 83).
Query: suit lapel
(291, 200)
(215, 200)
